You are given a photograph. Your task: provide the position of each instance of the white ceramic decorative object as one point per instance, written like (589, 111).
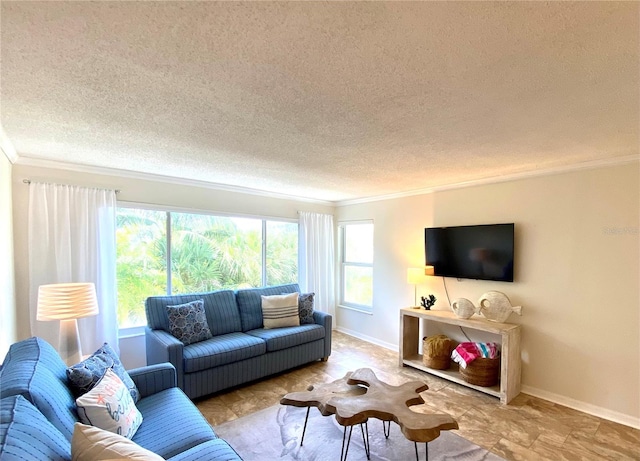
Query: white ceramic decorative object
(463, 308)
(495, 306)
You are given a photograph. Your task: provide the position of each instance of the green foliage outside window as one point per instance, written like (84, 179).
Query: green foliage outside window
(207, 253)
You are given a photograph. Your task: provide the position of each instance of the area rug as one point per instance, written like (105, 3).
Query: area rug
(274, 434)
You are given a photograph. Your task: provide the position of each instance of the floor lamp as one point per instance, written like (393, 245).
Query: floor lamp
(67, 302)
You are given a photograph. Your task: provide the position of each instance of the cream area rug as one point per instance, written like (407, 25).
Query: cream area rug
(274, 434)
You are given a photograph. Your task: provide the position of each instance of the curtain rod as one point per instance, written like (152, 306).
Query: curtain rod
(28, 181)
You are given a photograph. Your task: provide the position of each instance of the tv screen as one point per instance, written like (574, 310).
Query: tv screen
(482, 252)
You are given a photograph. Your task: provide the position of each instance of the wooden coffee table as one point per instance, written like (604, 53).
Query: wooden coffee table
(360, 395)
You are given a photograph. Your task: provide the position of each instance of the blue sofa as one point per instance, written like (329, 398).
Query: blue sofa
(241, 350)
(38, 411)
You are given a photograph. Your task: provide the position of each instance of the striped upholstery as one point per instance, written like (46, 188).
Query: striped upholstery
(153, 378)
(25, 434)
(38, 381)
(220, 308)
(235, 357)
(216, 449)
(215, 379)
(171, 424)
(281, 338)
(221, 350)
(250, 303)
(38, 349)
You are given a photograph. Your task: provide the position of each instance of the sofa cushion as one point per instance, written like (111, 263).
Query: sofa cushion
(172, 424)
(109, 406)
(188, 322)
(37, 383)
(219, 306)
(91, 443)
(280, 311)
(221, 350)
(218, 450)
(250, 303)
(283, 338)
(305, 308)
(85, 375)
(25, 434)
(38, 349)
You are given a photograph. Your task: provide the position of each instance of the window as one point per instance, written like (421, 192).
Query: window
(356, 287)
(161, 252)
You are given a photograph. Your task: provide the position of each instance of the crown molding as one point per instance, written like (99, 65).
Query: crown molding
(496, 179)
(41, 163)
(7, 146)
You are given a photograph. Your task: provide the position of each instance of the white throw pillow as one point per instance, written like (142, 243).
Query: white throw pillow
(280, 311)
(94, 444)
(109, 406)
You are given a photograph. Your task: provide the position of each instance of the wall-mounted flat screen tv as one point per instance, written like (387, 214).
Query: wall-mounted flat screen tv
(482, 252)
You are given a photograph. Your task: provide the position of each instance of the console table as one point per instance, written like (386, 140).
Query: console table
(509, 385)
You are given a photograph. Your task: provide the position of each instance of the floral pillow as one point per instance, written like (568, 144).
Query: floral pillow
(188, 322)
(305, 308)
(109, 406)
(85, 375)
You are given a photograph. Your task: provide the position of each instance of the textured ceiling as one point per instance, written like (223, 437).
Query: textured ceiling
(326, 100)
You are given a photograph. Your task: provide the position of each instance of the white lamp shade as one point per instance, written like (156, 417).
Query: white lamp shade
(64, 301)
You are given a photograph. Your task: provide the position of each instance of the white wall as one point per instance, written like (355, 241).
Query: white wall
(8, 333)
(577, 277)
(136, 190)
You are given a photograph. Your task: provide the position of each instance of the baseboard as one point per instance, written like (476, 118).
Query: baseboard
(369, 339)
(588, 408)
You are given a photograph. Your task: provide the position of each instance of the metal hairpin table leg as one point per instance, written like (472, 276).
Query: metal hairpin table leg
(426, 451)
(365, 441)
(364, 428)
(386, 427)
(345, 450)
(306, 419)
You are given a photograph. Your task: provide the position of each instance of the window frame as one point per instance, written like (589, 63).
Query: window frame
(364, 308)
(130, 331)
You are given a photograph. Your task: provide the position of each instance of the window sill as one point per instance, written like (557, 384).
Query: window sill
(356, 309)
(131, 332)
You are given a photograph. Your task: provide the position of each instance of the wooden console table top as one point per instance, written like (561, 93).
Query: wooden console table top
(360, 395)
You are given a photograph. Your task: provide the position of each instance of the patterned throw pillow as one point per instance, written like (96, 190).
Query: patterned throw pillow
(188, 322)
(305, 308)
(85, 375)
(109, 406)
(280, 311)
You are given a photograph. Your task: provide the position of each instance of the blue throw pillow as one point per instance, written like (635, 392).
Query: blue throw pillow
(188, 322)
(305, 308)
(85, 375)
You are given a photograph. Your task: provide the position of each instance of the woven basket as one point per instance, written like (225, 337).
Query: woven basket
(482, 372)
(440, 356)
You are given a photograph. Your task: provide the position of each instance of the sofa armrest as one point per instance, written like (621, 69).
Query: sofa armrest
(163, 347)
(153, 378)
(324, 319)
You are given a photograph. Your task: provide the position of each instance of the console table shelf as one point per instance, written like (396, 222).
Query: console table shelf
(509, 385)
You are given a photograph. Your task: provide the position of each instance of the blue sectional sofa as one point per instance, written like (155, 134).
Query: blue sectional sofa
(241, 350)
(38, 411)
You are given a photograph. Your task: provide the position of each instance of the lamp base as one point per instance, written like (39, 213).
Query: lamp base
(69, 342)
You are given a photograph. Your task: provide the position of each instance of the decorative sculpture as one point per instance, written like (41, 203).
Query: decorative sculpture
(495, 306)
(428, 303)
(463, 308)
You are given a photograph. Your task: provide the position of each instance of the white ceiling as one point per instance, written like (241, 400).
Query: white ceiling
(325, 100)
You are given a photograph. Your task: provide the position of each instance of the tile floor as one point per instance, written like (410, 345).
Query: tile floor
(528, 428)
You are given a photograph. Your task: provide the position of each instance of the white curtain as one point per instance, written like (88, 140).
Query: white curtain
(72, 238)
(316, 262)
